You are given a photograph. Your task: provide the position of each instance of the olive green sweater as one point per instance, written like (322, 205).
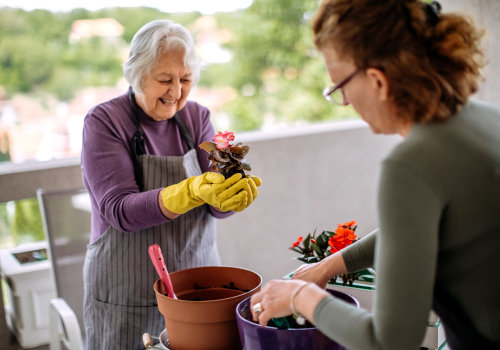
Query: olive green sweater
(438, 242)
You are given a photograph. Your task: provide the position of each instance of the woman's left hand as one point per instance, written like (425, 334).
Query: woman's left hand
(274, 299)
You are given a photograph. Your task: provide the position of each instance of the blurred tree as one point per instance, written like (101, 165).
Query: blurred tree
(278, 74)
(26, 63)
(276, 71)
(27, 223)
(36, 55)
(4, 226)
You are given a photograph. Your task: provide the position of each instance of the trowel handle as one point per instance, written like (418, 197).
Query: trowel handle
(157, 258)
(147, 339)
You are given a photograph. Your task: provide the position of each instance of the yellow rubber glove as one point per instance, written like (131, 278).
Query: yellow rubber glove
(211, 188)
(254, 182)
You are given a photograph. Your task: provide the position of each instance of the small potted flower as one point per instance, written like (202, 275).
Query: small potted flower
(314, 248)
(224, 157)
(290, 332)
(361, 285)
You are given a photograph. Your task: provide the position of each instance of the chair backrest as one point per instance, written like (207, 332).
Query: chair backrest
(66, 221)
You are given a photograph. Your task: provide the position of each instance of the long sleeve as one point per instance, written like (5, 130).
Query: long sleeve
(360, 255)
(438, 203)
(108, 172)
(406, 254)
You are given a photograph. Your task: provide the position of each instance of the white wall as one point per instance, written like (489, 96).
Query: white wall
(486, 14)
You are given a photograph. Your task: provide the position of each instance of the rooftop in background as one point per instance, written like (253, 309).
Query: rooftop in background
(103, 27)
(202, 6)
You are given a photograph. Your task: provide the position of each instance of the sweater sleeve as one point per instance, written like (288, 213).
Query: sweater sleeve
(108, 171)
(406, 254)
(360, 255)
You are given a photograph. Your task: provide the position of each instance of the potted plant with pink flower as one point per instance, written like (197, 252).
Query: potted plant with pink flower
(226, 158)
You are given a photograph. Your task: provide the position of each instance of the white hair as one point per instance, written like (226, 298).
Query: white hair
(150, 41)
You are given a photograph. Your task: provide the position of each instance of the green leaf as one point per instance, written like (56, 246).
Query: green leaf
(322, 240)
(306, 241)
(318, 251)
(311, 259)
(297, 250)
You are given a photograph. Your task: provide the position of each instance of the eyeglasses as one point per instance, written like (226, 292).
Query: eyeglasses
(335, 94)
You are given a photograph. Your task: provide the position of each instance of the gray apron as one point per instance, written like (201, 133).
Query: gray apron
(120, 303)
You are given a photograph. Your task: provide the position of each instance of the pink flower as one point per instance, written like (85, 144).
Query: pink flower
(222, 139)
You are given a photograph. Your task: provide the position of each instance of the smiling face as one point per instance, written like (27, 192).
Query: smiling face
(166, 88)
(367, 92)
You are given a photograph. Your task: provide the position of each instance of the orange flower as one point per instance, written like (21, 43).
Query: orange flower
(344, 235)
(298, 241)
(349, 224)
(335, 245)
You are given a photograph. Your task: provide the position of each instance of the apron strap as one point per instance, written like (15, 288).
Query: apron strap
(185, 132)
(137, 142)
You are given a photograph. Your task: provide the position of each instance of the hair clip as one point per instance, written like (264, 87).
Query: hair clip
(432, 11)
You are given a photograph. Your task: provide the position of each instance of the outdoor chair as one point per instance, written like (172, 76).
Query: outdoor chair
(66, 222)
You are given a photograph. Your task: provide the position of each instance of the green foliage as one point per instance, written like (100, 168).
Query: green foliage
(4, 225)
(275, 57)
(27, 222)
(314, 248)
(20, 222)
(276, 72)
(36, 54)
(20, 71)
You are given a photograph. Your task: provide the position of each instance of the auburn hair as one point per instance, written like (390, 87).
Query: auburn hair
(433, 61)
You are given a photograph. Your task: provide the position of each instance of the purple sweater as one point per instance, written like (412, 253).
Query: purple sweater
(108, 170)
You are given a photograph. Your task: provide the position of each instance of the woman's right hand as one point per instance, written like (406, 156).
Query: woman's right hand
(321, 272)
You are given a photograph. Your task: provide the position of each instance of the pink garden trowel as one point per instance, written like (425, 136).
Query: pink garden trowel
(157, 258)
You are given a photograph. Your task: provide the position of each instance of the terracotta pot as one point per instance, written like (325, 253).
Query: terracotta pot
(203, 318)
(256, 337)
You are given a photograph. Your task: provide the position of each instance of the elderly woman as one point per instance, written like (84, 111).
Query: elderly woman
(408, 69)
(149, 184)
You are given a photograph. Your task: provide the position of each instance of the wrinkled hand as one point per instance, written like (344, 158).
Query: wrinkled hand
(321, 272)
(313, 273)
(274, 299)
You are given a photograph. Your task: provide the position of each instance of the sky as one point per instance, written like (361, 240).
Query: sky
(173, 6)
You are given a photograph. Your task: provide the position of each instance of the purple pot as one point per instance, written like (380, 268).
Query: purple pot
(256, 337)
